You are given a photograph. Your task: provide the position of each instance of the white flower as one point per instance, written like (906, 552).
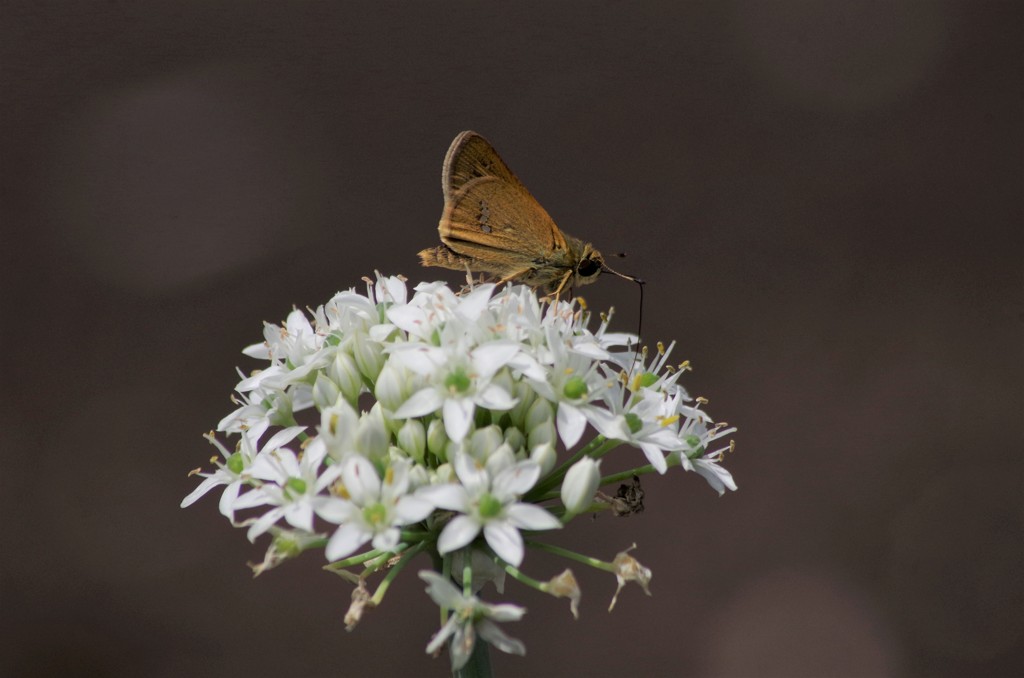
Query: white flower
(236, 471)
(699, 436)
(574, 381)
(291, 486)
(486, 499)
(371, 508)
(580, 484)
(470, 617)
(459, 380)
(438, 413)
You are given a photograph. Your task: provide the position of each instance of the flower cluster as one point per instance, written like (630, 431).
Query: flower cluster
(392, 423)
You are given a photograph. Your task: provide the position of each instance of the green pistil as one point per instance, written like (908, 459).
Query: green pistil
(375, 514)
(634, 422)
(458, 381)
(575, 388)
(489, 507)
(298, 485)
(235, 463)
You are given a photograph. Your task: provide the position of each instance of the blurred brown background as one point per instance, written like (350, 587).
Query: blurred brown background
(825, 198)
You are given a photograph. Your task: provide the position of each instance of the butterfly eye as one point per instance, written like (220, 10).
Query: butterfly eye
(587, 268)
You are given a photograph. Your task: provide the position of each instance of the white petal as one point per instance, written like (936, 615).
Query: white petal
(609, 425)
(410, 509)
(228, 498)
(420, 403)
(590, 349)
(264, 523)
(380, 333)
(473, 476)
(490, 358)
(458, 416)
(504, 612)
(361, 480)
(494, 397)
(655, 456)
(506, 541)
(387, 540)
(420, 358)
(457, 533)
(300, 515)
(440, 589)
(516, 481)
(449, 496)
(345, 540)
(717, 477)
(391, 288)
(411, 319)
(490, 632)
(251, 499)
(473, 304)
(203, 487)
(571, 424)
(259, 351)
(531, 517)
(528, 366)
(335, 510)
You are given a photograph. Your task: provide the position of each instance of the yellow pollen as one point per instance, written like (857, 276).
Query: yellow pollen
(568, 371)
(389, 476)
(668, 421)
(702, 400)
(661, 348)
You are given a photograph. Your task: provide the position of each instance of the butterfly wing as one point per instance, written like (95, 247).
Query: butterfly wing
(492, 221)
(471, 156)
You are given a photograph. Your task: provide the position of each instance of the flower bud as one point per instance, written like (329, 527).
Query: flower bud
(540, 412)
(515, 438)
(579, 485)
(325, 392)
(412, 439)
(545, 455)
(392, 388)
(368, 356)
(484, 441)
(372, 434)
(542, 433)
(344, 372)
(525, 397)
(437, 439)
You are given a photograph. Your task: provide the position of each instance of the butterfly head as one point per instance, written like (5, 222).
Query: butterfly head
(589, 266)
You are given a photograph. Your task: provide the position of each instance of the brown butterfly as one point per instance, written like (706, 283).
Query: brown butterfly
(491, 224)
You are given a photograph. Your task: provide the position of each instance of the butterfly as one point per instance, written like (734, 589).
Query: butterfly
(491, 224)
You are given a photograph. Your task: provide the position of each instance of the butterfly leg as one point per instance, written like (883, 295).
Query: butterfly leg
(512, 277)
(561, 285)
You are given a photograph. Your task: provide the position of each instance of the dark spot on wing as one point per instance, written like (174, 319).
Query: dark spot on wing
(483, 216)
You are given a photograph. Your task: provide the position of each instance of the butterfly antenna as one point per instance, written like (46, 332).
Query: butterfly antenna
(640, 315)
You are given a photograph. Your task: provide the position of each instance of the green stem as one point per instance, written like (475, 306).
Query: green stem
(572, 555)
(524, 578)
(378, 595)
